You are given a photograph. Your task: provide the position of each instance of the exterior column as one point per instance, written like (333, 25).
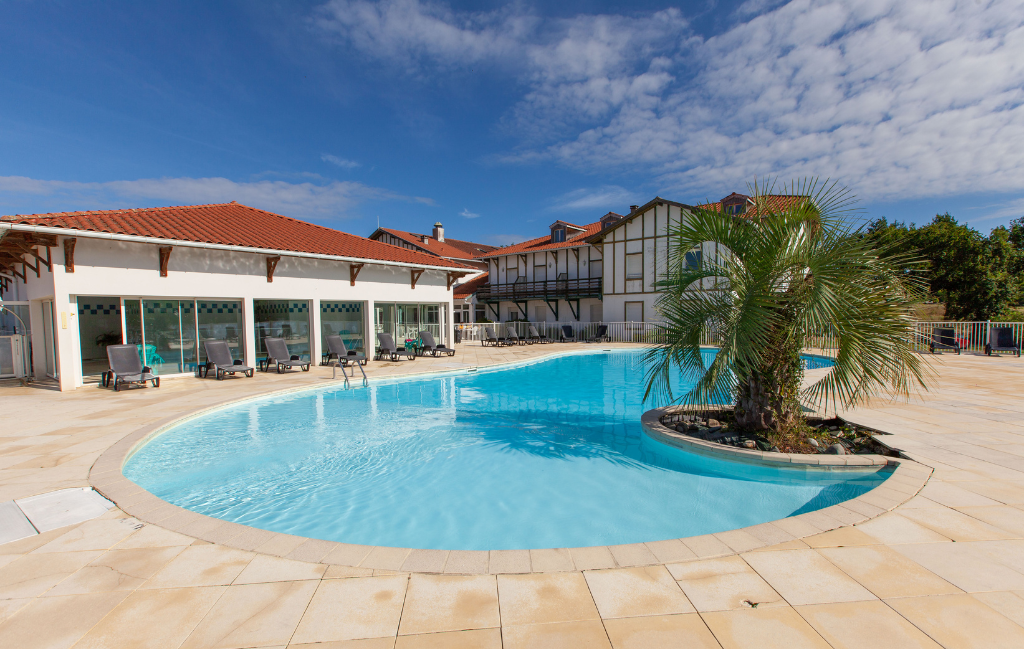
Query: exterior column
(249, 331)
(35, 309)
(69, 352)
(369, 330)
(315, 345)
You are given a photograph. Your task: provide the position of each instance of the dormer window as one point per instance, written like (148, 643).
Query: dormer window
(558, 234)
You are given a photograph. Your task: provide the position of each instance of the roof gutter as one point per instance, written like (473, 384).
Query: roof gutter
(67, 232)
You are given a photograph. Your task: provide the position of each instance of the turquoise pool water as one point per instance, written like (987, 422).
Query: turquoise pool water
(549, 454)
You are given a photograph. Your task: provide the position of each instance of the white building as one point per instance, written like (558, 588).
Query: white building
(168, 278)
(554, 278)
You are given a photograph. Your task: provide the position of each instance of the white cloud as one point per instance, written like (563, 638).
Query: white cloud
(505, 239)
(604, 199)
(469, 215)
(896, 99)
(303, 200)
(339, 162)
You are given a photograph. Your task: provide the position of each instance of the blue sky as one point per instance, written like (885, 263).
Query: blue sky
(498, 118)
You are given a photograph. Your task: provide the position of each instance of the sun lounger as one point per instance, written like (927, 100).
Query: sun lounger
(537, 338)
(336, 347)
(126, 367)
(277, 354)
(390, 351)
(431, 347)
(943, 339)
(513, 338)
(1000, 339)
(568, 335)
(218, 355)
(491, 339)
(601, 335)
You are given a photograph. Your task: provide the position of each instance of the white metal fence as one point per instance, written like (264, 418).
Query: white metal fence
(971, 336)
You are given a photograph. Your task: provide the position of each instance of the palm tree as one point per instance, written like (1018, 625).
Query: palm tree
(792, 268)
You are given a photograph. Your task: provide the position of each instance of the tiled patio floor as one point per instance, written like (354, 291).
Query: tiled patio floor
(945, 569)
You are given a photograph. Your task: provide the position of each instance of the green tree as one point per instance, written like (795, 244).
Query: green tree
(787, 274)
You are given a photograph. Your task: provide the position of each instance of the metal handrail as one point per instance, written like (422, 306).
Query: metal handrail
(554, 288)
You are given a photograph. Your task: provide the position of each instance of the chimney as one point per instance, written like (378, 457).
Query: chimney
(425, 239)
(633, 208)
(439, 232)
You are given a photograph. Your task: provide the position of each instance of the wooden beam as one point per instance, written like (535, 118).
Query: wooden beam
(271, 267)
(165, 258)
(69, 254)
(453, 277)
(353, 273)
(414, 275)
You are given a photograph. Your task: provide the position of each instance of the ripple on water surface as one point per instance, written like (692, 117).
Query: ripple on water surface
(549, 454)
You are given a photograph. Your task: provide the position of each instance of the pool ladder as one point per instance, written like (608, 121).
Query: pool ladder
(334, 372)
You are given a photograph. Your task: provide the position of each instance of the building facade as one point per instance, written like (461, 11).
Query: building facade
(436, 244)
(166, 279)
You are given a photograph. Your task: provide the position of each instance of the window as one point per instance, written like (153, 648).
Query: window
(540, 273)
(512, 274)
(344, 319)
(513, 314)
(558, 235)
(634, 311)
(635, 265)
(481, 313)
(692, 260)
(596, 312)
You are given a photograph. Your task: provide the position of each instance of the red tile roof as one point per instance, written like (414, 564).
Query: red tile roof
(575, 239)
(231, 224)
(466, 289)
(775, 203)
(447, 248)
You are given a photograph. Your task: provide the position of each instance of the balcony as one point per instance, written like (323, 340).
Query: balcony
(556, 289)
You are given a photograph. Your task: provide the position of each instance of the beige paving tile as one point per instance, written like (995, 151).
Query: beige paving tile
(253, 615)
(92, 535)
(1006, 518)
(201, 565)
(266, 568)
(805, 577)
(347, 554)
(34, 574)
(723, 584)
(475, 639)
(349, 609)
(740, 540)
(864, 625)
(843, 536)
(660, 632)
(952, 524)
(437, 603)
(894, 529)
(509, 561)
(593, 558)
(116, 570)
(9, 607)
(706, 546)
(551, 560)
(629, 592)
(540, 598)
(344, 572)
(381, 558)
(670, 551)
(153, 536)
(57, 622)
(960, 622)
(763, 628)
(560, 635)
(426, 561)
(887, 573)
(1009, 604)
(313, 550)
(364, 643)
(632, 554)
(964, 565)
(472, 562)
(152, 619)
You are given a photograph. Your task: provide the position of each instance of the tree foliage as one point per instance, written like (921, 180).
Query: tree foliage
(783, 275)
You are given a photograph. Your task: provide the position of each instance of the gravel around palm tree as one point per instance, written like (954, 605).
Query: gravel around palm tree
(771, 283)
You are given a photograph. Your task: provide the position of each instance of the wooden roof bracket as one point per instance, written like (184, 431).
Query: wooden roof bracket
(271, 267)
(353, 273)
(454, 276)
(414, 275)
(165, 258)
(69, 254)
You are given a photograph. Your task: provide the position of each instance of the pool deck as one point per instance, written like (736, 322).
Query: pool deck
(945, 568)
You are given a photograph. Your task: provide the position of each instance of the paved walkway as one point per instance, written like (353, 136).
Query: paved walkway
(945, 569)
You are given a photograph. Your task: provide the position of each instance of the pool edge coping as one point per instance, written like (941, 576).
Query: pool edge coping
(906, 481)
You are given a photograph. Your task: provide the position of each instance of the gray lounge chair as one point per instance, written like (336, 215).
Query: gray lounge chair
(943, 339)
(1000, 339)
(218, 355)
(601, 335)
(537, 338)
(568, 334)
(390, 351)
(513, 338)
(431, 347)
(126, 367)
(491, 339)
(277, 354)
(336, 347)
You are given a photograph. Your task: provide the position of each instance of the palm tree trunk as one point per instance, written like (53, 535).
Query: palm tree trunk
(768, 399)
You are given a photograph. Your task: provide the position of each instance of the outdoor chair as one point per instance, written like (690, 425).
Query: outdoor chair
(491, 339)
(430, 345)
(537, 338)
(336, 347)
(944, 339)
(390, 351)
(568, 334)
(513, 338)
(277, 354)
(218, 355)
(1000, 339)
(601, 335)
(126, 367)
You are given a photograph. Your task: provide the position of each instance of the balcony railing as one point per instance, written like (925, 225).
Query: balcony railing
(565, 289)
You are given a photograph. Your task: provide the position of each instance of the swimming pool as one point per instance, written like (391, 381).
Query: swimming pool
(547, 454)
